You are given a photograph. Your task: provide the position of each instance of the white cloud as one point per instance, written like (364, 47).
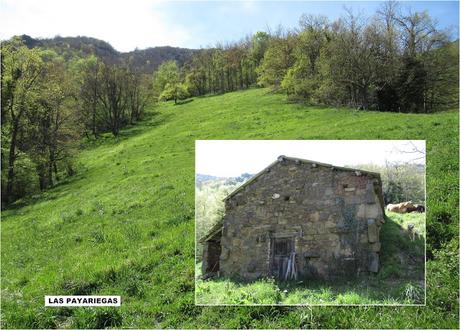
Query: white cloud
(238, 7)
(124, 24)
(234, 157)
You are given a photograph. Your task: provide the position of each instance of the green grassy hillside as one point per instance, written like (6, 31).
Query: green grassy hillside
(125, 223)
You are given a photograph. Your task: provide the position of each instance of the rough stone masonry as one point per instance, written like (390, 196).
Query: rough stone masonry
(325, 218)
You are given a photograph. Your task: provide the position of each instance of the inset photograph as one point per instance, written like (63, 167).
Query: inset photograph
(310, 222)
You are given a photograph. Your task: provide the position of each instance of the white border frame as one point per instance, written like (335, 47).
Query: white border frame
(310, 305)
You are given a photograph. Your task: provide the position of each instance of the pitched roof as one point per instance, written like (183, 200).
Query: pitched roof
(213, 231)
(297, 161)
(218, 226)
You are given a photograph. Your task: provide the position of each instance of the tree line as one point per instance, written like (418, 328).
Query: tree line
(397, 60)
(221, 69)
(47, 105)
(401, 182)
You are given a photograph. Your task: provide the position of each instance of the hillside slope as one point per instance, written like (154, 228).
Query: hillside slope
(145, 60)
(125, 223)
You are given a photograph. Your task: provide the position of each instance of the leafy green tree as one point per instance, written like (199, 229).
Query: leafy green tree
(442, 69)
(350, 62)
(41, 125)
(52, 133)
(174, 92)
(89, 72)
(112, 98)
(217, 74)
(277, 61)
(259, 45)
(412, 85)
(167, 82)
(167, 73)
(137, 92)
(196, 80)
(303, 78)
(65, 129)
(21, 72)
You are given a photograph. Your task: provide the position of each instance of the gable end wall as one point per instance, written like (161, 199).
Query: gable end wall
(334, 217)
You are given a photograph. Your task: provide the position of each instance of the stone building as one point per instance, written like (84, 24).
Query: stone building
(299, 218)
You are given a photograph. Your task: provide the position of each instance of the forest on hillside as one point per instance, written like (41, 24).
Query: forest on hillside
(56, 93)
(395, 60)
(145, 60)
(49, 104)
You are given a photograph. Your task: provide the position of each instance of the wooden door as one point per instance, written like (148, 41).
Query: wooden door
(282, 248)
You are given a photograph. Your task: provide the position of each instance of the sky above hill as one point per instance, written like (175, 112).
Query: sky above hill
(230, 158)
(192, 24)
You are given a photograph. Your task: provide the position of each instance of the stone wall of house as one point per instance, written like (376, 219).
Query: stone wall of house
(333, 215)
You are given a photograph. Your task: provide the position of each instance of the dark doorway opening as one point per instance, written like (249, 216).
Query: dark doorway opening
(213, 256)
(281, 250)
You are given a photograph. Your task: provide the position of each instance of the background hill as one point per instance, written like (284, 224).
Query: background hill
(146, 60)
(206, 178)
(124, 224)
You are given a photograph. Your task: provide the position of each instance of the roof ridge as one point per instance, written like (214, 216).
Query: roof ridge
(282, 158)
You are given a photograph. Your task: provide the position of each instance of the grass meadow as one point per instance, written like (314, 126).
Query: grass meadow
(124, 224)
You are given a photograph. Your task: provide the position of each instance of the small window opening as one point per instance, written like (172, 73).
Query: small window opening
(287, 198)
(345, 186)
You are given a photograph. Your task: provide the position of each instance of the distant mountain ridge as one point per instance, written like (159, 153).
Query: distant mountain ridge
(146, 60)
(206, 178)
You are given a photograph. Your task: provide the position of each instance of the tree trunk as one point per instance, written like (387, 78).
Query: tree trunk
(52, 167)
(50, 173)
(55, 171)
(42, 179)
(94, 123)
(11, 161)
(95, 104)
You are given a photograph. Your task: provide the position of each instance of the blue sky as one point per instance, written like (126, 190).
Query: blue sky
(228, 158)
(193, 24)
(231, 20)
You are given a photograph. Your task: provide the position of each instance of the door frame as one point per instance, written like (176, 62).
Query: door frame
(273, 238)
